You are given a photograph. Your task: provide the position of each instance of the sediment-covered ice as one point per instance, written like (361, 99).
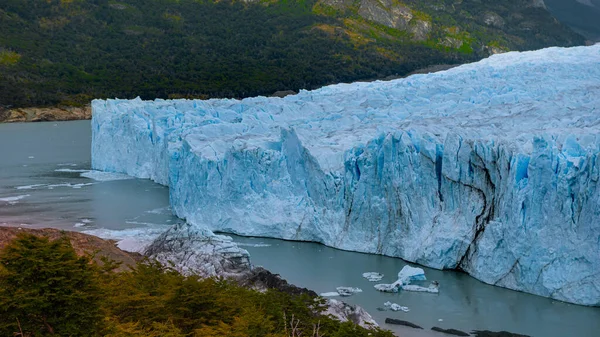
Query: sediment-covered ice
(490, 167)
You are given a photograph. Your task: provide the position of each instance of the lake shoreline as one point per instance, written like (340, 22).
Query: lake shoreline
(48, 114)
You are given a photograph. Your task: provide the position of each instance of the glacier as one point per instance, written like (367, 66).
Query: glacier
(491, 167)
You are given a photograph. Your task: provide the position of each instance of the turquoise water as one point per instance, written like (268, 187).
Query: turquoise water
(41, 186)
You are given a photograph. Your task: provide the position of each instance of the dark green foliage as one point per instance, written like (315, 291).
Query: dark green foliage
(68, 52)
(45, 288)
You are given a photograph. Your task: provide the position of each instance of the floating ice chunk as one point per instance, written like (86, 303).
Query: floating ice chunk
(14, 200)
(388, 288)
(75, 186)
(348, 291)
(373, 276)
(433, 288)
(105, 176)
(395, 307)
(29, 187)
(70, 170)
(255, 245)
(329, 294)
(160, 210)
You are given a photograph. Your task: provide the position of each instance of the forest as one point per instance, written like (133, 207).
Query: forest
(46, 289)
(68, 52)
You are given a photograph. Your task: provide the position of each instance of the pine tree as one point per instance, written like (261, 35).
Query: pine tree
(46, 289)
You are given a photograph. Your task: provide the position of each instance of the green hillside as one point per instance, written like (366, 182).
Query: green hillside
(67, 52)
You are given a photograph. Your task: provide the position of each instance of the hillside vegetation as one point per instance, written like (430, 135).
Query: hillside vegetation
(67, 52)
(46, 289)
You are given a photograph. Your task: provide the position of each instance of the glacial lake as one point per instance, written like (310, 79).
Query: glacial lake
(41, 185)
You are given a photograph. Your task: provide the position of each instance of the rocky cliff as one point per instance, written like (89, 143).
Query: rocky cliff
(44, 114)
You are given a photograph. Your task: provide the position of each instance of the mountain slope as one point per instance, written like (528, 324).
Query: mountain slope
(66, 52)
(581, 15)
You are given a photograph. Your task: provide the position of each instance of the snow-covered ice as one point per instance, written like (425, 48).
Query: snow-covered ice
(490, 167)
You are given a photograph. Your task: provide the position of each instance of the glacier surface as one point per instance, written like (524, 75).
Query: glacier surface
(490, 167)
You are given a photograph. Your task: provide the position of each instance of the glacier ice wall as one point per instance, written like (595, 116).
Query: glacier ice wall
(490, 167)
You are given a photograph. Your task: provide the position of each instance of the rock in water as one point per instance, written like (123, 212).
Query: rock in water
(490, 167)
(401, 322)
(486, 333)
(450, 331)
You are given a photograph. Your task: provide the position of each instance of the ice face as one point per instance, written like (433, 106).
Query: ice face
(490, 167)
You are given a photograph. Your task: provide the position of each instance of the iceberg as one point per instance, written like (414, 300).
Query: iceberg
(491, 167)
(405, 277)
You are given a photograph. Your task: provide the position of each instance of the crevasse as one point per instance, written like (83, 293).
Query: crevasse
(490, 167)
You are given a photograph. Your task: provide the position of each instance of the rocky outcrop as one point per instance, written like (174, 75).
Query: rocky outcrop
(82, 243)
(386, 12)
(390, 13)
(45, 114)
(348, 312)
(493, 19)
(261, 279)
(192, 251)
(200, 252)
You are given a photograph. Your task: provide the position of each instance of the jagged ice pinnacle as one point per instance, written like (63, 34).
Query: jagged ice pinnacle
(490, 167)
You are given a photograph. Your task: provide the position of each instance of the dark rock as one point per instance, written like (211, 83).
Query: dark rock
(450, 331)
(263, 279)
(283, 93)
(401, 322)
(486, 333)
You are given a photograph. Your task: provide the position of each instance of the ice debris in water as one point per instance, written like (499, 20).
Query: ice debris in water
(463, 168)
(395, 307)
(373, 276)
(433, 288)
(348, 291)
(342, 291)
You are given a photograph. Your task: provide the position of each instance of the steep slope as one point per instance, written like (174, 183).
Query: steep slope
(59, 52)
(490, 167)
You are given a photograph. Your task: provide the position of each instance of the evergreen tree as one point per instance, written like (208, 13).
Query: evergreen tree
(46, 289)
